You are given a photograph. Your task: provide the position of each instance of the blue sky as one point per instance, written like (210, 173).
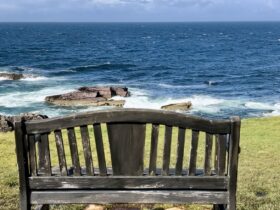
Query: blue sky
(139, 10)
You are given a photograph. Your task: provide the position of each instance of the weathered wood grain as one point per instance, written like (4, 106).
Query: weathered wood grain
(100, 149)
(180, 150)
(208, 154)
(74, 151)
(127, 147)
(32, 155)
(166, 150)
(131, 116)
(60, 152)
(153, 153)
(22, 160)
(222, 140)
(132, 196)
(193, 155)
(87, 150)
(127, 181)
(216, 153)
(44, 162)
(130, 182)
(233, 160)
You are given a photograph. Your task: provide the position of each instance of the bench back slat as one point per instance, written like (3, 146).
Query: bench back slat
(32, 155)
(100, 149)
(208, 154)
(153, 150)
(60, 152)
(193, 156)
(166, 150)
(44, 155)
(87, 150)
(180, 151)
(221, 154)
(74, 151)
(127, 148)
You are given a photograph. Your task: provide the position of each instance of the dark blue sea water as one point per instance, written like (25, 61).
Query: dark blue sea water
(223, 68)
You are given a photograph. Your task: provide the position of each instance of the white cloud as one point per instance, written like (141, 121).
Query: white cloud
(140, 10)
(13, 4)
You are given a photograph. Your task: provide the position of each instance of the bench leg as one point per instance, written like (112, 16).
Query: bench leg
(219, 207)
(24, 206)
(42, 207)
(24, 203)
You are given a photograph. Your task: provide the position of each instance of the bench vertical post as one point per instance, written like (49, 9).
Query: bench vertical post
(233, 161)
(22, 167)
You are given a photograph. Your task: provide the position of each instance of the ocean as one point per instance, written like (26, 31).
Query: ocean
(224, 69)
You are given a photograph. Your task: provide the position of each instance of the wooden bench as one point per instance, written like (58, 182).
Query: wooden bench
(129, 178)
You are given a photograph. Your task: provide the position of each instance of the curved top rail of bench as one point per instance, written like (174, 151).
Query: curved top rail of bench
(129, 116)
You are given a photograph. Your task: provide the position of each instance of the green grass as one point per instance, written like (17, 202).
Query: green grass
(259, 165)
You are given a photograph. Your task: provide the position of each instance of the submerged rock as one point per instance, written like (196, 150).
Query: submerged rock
(16, 76)
(90, 96)
(178, 106)
(7, 122)
(12, 76)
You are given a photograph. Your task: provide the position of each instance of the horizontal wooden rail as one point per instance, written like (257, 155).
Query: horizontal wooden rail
(126, 182)
(132, 196)
(129, 116)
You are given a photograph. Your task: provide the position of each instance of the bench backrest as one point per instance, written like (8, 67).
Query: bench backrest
(126, 130)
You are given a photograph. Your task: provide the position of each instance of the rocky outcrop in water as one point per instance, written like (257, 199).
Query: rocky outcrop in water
(16, 76)
(7, 122)
(107, 92)
(178, 106)
(90, 96)
(12, 76)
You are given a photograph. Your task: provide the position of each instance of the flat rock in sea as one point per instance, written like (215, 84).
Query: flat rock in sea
(15, 76)
(90, 96)
(107, 92)
(11, 76)
(7, 122)
(178, 106)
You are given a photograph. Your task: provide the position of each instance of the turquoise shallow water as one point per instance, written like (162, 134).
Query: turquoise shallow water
(223, 68)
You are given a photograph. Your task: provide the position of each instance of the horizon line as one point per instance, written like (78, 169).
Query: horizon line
(194, 21)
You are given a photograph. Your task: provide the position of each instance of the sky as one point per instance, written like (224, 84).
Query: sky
(138, 10)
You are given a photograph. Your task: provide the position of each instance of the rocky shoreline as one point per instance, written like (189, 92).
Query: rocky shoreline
(90, 96)
(7, 122)
(85, 96)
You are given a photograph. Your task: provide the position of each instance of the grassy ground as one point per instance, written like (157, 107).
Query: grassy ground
(259, 166)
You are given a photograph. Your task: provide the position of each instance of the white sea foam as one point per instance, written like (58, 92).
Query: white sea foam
(181, 86)
(26, 98)
(268, 108)
(4, 78)
(139, 99)
(34, 78)
(275, 112)
(26, 77)
(272, 114)
(202, 103)
(259, 106)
